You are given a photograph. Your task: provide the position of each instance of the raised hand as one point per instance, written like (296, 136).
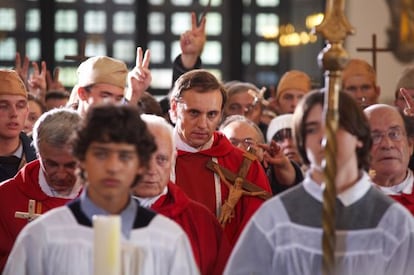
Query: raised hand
(37, 81)
(192, 41)
(283, 169)
(53, 82)
(22, 69)
(273, 154)
(139, 79)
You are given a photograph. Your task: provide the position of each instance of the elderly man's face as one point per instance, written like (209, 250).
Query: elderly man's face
(391, 148)
(58, 166)
(157, 176)
(243, 136)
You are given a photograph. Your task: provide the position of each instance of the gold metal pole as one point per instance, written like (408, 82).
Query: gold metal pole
(334, 28)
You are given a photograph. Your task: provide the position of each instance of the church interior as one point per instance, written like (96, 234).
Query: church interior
(248, 40)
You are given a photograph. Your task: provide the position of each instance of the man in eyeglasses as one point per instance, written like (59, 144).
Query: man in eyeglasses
(243, 133)
(390, 153)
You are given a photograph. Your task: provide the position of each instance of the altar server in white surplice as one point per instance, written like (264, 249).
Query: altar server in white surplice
(374, 234)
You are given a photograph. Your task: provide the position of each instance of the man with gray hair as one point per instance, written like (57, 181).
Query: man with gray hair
(42, 184)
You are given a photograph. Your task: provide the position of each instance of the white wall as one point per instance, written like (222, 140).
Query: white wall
(369, 17)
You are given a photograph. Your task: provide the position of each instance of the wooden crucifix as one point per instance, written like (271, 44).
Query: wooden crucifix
(374, 50)
(30, 215)
(238, 186)
(81, 56)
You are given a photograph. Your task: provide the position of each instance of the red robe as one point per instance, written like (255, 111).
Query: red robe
(14, 196)
(406, 199)
(197, 181)
(211, 248)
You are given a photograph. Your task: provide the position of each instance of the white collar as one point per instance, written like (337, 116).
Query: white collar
(406, 186)
(148, 202)
(183, 146)
(348, 197)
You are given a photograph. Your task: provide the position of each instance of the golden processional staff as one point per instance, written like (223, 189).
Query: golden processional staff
(332, 59)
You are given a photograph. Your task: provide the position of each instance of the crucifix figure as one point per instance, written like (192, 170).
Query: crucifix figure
(374, 51)
(238, 186)
(30, 215)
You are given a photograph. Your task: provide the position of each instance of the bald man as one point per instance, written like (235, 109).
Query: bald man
(390, 153)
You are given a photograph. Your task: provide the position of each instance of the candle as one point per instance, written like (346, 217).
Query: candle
(107, 245)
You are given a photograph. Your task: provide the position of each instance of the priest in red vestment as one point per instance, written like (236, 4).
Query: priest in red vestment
(390, 153)
(155, 190)
(197, 101)
(50, 180)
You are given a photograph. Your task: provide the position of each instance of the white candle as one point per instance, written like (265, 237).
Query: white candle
(107, 245)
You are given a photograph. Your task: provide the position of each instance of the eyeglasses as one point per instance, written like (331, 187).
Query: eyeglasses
(246, 143)
(283, 134)
(394, 134)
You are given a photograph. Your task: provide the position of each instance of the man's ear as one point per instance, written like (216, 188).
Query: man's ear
(82, 93)
(173, 111)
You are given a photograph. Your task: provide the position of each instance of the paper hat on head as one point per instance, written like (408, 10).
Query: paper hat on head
(293, 80)
(11, 83)
(406, 79)
(102, 69)
(277, 124)
(359, 67)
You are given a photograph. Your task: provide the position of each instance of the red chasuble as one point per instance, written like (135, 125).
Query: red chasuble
(15, 194)
(197, 181)
(405, 199)
(210, 247)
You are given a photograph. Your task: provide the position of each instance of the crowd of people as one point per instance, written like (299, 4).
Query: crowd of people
(225, 181)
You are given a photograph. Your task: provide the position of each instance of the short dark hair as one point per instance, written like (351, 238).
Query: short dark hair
(199, 80)
(114, 123)
(351, 118)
